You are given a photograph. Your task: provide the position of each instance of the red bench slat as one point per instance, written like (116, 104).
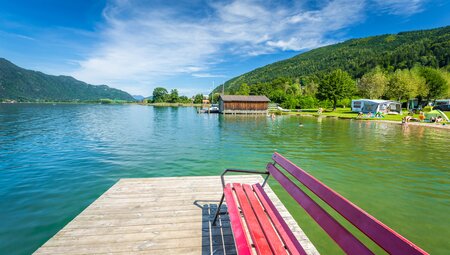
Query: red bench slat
(386, 238)
(283, 229)
(242, 245)
(261, 244)
(271, 236)
(348, 243)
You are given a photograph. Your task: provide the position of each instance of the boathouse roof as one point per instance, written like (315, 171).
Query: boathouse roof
(240, 98)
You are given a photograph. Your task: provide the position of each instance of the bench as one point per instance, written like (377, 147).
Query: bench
(256, 223)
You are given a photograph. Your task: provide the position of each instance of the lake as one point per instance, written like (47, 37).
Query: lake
(57, 159)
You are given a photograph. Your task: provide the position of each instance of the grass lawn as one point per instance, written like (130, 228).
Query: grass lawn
(448, 114)
(346, 113)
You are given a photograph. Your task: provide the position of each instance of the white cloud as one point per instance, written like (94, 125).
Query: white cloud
(141, 46)
(400, 7)
(208, 75)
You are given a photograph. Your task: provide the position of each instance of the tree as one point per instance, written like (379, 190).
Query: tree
(277, 96)
(446, 76)
(422, 88)
(435, 82)
(307, 102)
(198, 99)
(160, 95)
(403, 84)
(373, 84)
(244, 89)
(336, 86)
(215, 97)
(173, 97)
(184, 100)
(310, 89)
(294, 88)
(291, 102)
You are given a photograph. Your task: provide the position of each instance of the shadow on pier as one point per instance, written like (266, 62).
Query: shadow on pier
(215, 239)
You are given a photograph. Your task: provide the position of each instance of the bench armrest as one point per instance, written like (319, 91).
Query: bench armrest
(222, 176)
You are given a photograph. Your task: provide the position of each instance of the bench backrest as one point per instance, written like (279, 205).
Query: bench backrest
(382, 235)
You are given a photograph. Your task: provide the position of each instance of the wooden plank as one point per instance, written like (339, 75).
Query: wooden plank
(385, 237)
(146, 204)
(285, 233)
(186, 226)
(275, 242)
(348, 243)
(256, 232)
(242, 244)
(62, 239)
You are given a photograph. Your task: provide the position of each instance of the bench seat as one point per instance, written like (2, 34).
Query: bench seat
(256, 223)
(268, 231)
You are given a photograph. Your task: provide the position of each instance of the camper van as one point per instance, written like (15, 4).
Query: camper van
(374, 106)
(357, 105)
(442, 102)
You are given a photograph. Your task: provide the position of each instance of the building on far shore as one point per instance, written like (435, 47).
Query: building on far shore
(236, 104)
(205, 100)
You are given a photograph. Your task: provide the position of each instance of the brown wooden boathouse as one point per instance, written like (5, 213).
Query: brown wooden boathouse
(237, 104)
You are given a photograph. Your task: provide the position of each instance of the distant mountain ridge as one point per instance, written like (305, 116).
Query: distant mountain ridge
(138, 97)
(357, 56)
(26, 85)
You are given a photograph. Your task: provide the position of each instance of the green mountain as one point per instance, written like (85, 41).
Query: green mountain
(357, 56)
(26, 85)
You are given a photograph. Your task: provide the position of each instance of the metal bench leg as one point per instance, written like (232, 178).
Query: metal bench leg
(222, 178)
(218, 210)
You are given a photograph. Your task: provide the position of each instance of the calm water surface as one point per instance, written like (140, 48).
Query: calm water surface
(57, 159)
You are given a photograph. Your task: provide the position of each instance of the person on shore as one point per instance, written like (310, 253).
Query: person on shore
(421, 116)
(320, 111)
(360, 115)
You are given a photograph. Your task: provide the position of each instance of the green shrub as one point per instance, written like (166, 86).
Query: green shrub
(308, 102)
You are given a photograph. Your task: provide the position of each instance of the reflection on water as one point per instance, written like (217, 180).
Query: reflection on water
(56, 159)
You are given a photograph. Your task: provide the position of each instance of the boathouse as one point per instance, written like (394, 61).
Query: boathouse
(237, 104)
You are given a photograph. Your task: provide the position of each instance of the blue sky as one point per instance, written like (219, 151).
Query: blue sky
(189, 45)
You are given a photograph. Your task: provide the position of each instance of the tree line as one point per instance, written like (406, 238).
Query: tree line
(161, 95)
(338, 87)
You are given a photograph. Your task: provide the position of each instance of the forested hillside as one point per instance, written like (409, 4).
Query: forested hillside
(407, 64)
(25, 85)
(358, 56)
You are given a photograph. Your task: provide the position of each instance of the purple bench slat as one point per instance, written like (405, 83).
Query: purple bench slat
(348, 243)
(386, 238)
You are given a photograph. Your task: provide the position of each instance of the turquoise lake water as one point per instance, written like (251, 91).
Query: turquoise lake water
(57, 159)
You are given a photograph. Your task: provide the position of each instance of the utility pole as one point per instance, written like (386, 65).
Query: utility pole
(212, 94)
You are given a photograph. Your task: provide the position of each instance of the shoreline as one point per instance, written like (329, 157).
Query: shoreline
(172, 104)
(418, 124)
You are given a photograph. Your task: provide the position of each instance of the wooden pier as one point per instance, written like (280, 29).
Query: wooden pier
(158, 216)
